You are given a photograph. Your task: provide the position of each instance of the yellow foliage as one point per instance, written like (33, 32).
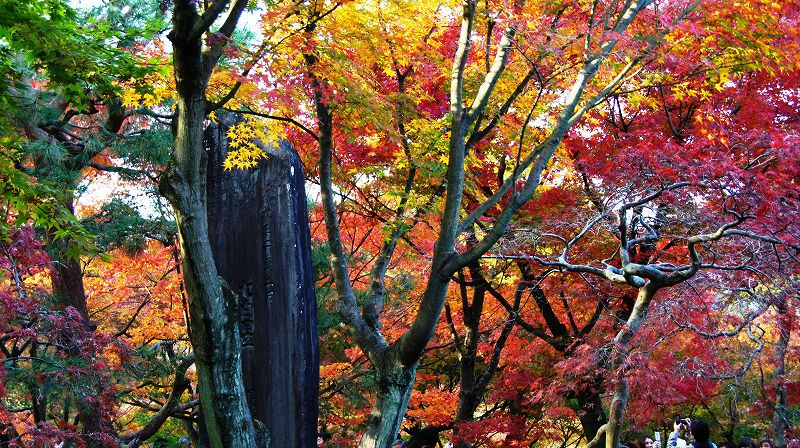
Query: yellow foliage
(119, 286)
(155, 88)
(248, 138)
(434, 407)
(329, 372)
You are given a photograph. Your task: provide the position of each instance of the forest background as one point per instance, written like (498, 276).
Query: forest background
(537, 222)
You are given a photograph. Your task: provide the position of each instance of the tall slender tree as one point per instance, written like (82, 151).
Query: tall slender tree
(212, 305)
(396, 361)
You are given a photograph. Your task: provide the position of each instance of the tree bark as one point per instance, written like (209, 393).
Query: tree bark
(213, 307)
(620, 357)
(68, 288)
(67, 277)
(395, 384)
(470, 395)
(779, 419)
(590, 410)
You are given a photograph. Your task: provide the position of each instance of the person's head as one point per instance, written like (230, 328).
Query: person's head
(648, 442)
(746, 442)
(699, 430)
(765, 443)
(728, 444)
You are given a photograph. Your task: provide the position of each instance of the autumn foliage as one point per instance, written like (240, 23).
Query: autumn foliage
(676, 166)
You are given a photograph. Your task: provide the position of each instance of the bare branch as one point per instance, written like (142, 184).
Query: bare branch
(250, 111)
(123, 170)
(179, 384)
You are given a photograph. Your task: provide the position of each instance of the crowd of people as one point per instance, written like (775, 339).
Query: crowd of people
(689, 433)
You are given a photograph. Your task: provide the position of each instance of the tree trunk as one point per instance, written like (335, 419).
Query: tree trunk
(258, 227)
(212, 306)
(68, 288)
(618, 403)
(395, 384)
(779, 419)
(468, 398)
(470, 395)
(620, 357)
(590, 410)
(67, 280)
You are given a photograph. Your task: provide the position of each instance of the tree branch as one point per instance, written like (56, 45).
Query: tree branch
(250, 111)
(213, 52)
(122, 170)
(179, 384)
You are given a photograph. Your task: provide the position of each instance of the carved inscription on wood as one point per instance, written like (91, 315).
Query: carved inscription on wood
(260, 238)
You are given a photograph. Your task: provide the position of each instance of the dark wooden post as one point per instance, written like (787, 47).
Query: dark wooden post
(259, 233)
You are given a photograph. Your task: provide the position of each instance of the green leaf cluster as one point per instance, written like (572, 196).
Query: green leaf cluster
(25, 201)
(128, 21)
(148, 148)
(42, 40)
(119, 225)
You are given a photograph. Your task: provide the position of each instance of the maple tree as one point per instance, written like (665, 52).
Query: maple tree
(325, 112)
(338, 84)
(54, 364)
(625, 122)
(396, 362)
